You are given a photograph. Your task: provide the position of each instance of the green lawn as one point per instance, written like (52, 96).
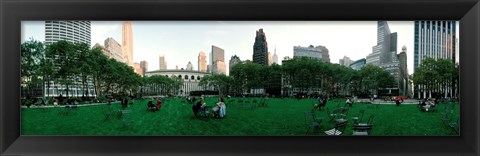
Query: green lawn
(282, 117)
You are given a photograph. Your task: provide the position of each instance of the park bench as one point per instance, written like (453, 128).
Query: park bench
(312, 121)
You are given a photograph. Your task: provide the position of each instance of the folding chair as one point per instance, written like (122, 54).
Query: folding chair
(358, 118)
(311, 121)
(339, 128)
(362, 129)
(454, 126)
(334, 115)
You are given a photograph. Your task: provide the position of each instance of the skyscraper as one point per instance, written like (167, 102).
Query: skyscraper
(234, 60)
(345, 61)
(75, 32)
(260, 48)
(435, 39)
(202, 62)
(220, 67)
(318, 52)
(384, 54)
(189, 66)
(144, 66)
(403, 82)
(270, 57)
(137, 68)
(386, 49)
(114, 48)
(275, 56)
(218, 60)
(127, 42)
(162, 64)
(72, 31)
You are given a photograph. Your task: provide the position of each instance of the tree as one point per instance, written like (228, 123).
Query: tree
(219, 82)
(436, 76)
(374, 77)
(32, 56)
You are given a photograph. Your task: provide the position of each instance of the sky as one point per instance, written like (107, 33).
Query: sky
(181, 41)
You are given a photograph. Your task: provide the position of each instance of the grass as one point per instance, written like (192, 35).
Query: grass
(282, 117)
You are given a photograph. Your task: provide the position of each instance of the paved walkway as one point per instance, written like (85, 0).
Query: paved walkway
(61, 106)
(383, 102)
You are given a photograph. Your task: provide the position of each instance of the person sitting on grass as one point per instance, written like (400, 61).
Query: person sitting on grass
(151, 106)
(159, 103)
(199, 106)
(348, 102)
(220, 109)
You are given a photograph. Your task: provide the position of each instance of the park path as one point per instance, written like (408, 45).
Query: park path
(61, 106)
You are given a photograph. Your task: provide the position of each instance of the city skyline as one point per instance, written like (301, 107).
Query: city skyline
(180, 41)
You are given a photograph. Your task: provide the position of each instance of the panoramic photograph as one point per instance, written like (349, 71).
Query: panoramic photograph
(240, 78)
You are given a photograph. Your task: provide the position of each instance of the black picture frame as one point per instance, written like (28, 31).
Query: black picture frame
(12, 12)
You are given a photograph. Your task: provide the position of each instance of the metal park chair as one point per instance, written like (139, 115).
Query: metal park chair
(312, 121)
(338, 129)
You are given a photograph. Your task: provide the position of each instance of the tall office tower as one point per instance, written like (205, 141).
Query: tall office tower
(275, 56)
(318, 52)
(384, 54)
(176, 67)
(403, 83)
(137, 68)
(72, 31)
(162, 64)
(386, 49)
(115, 49)
(435, 39)
(202, 62)
(345, 61)
(127, 42)
(189, 66)
(260, 48)
(234, 60)
(270, 57)
(218, 54)
(220, 67)
(144, 66)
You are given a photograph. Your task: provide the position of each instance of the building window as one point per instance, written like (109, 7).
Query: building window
(198, 77)
(192, 77)
(186, 77)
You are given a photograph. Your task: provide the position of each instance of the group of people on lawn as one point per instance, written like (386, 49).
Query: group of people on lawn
(154, 107)
(218, 111)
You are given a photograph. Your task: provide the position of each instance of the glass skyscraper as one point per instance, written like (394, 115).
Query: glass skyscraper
(435, 39)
